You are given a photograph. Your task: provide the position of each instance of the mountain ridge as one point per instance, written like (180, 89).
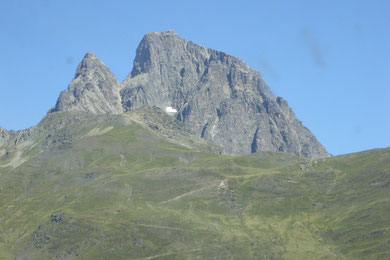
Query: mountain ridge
(216, 94)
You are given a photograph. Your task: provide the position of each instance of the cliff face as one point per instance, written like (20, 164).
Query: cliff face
(215, 94)
(220, 97)
(3, 135)
(94, 89)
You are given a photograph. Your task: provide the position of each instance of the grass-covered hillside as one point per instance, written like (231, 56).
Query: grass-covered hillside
(121, 187)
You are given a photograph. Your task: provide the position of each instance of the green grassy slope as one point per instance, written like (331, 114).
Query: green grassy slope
(127, 193)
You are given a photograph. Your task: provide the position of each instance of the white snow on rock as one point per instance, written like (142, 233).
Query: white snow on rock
(170, 110)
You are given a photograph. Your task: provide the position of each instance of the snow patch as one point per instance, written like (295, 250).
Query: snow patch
(170, 110)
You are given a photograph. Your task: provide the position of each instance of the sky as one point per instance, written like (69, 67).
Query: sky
(329, 59)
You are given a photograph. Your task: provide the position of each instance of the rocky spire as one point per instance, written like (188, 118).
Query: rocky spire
(94, 89)
(219, 96)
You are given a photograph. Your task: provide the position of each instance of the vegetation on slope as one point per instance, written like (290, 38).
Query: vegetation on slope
(126, 192)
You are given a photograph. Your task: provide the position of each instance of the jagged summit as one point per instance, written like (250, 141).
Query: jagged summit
(87, 64)
(217, 95)
(163, 33)
(149, 48)
(94, 89)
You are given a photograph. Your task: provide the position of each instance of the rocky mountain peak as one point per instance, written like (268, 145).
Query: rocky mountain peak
(149, 50)
(219, 96)
(94, 89)
(88, 63)
(166, 33)
(215, 94)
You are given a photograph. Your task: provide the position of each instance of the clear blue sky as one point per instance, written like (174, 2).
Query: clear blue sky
(329, 59)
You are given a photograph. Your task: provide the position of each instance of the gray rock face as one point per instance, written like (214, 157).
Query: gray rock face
(216, 95)
(158, 122)
(219, 96)
(3, 135)
(94, 89)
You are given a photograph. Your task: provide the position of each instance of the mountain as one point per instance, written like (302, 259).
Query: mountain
(140, 185)
(108, 173)
(94, 89)
(218, 96)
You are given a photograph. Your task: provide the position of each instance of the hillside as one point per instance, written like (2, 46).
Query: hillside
(140, 185)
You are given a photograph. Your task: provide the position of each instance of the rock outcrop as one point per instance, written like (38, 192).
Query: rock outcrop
(94, 89)
(219, 96)
(3, 135)
(160, 123)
